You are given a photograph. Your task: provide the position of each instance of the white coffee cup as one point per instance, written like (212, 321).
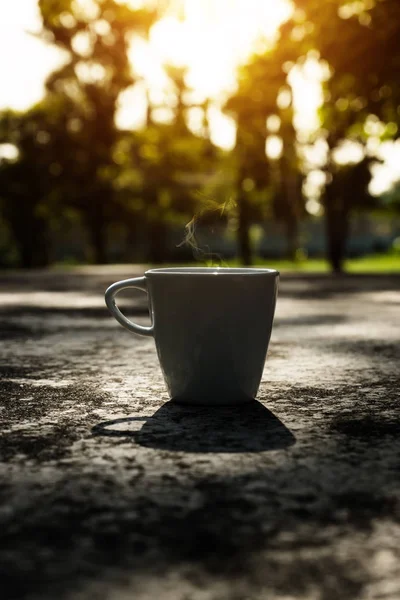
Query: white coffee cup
(211, 328)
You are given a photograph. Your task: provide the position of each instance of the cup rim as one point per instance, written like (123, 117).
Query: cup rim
(207, 271)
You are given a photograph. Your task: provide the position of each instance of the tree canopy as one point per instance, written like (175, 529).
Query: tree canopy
(72, 157)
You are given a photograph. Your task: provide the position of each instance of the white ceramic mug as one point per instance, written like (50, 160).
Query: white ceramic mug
(211, 327)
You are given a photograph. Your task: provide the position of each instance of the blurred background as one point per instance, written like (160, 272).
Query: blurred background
(216, 131)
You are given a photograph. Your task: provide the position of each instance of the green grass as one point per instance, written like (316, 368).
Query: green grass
(377, 263)
(380, 263)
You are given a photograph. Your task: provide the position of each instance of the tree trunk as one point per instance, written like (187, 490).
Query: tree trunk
(133, 241)
(99, 244)
(335, 252)
(292, 237)
(26, 258)
(336, 227)
(244, 245)
(33, 244)
(97, 230)
(157, 252)
(96, 226)
(291, 201)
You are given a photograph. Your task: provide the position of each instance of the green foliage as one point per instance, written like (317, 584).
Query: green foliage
(73, 160)
(30, 184)
(359, 43)
(391, 199)
(276, 183)
(89, 84)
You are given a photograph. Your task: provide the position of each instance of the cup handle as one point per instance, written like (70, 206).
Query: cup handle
(138, 283)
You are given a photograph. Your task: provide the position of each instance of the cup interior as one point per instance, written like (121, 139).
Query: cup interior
(223, 271)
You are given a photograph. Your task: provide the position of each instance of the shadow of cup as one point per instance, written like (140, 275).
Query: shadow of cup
(245, 428)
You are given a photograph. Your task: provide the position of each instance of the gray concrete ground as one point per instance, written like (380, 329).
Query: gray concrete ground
(107, 491)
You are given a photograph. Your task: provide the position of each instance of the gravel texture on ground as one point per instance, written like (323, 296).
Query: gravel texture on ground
(108, 491)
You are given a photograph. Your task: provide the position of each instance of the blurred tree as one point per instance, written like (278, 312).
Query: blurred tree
(85, 161)
(364, 66)
(359, 42)
(95, 38)
(346, 191)
(250, 111)
(391, 199)
(30, 181)
(262, 83)
(168, 165)
(288, 200)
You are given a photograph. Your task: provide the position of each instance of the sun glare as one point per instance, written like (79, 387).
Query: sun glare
(208, 38)
(25, 61)
(212, 39)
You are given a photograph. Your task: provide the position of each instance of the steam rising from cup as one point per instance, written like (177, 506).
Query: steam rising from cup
(209, 207)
